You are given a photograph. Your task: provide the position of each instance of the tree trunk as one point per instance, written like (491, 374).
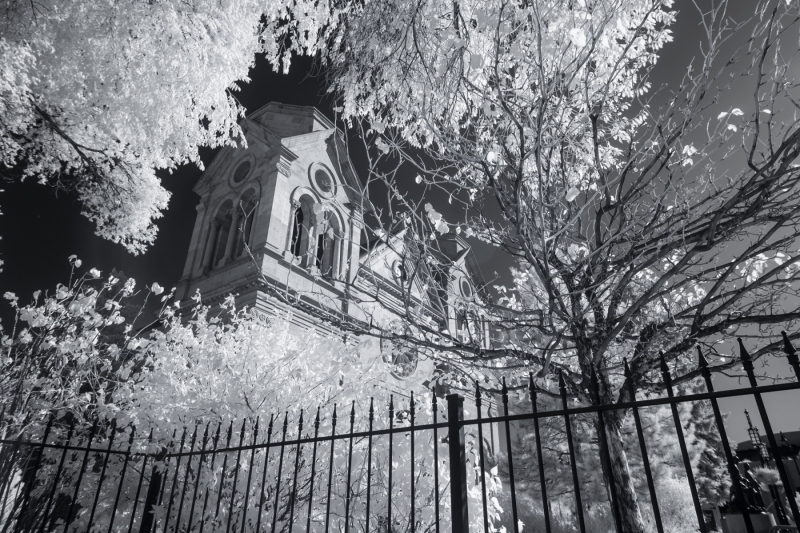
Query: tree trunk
(625, 493)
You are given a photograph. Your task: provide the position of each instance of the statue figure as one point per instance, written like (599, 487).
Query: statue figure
(751, 492)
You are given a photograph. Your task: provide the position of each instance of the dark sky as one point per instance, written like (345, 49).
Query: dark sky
(40, 230)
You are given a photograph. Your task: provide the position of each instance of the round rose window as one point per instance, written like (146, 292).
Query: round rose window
(323, 181)
(466, 288)
(242, 171)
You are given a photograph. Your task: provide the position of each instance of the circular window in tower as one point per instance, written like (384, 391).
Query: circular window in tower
(466, 288)
(242, 171)
(323, 181)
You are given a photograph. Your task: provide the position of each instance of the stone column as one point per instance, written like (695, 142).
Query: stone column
(194, 258)
(353, 252)
(211, 245)
(232, 232)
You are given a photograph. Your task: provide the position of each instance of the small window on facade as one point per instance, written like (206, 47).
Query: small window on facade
(297, 232)
(320, 250)
(241, 171)
(220, 236)
(247, 212)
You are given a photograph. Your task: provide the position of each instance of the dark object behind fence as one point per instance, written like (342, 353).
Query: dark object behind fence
(243, 478)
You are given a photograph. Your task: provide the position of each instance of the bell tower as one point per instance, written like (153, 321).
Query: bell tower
(282, 214)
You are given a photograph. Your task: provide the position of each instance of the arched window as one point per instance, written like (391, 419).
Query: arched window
(301, 244)
(247, 212)
(462, 327)
(297, 231)
(219, 237)
(328, 237)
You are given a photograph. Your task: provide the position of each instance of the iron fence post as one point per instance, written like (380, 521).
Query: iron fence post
(458, 463)
(153, 493)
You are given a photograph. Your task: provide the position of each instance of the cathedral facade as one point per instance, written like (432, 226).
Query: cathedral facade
(280, 225)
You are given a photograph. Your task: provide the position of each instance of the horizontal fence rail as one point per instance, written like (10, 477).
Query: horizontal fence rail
(410, 466)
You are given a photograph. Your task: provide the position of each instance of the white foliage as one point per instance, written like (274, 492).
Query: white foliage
(108, 92)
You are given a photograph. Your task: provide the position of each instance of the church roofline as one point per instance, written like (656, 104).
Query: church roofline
(292, 109)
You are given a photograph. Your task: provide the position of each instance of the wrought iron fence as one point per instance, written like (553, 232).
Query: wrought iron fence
(421, 468)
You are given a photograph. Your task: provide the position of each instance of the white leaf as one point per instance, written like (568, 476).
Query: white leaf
(731, 127)
(722, 115)
(95, 273)
(572, 194)
(737, 112)
(577, 37)
(157, 289)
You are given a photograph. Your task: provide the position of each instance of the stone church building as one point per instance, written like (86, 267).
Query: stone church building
(293, 197)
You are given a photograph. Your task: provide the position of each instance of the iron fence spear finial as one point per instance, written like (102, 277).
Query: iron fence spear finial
(791, 354)
(665, 369)
(744, 354)
(701, 361)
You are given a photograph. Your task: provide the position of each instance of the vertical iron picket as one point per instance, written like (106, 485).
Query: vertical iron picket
(224, 468)
(539, 457)
(643, 449)
(296, 464)
(236, 475)
(154, 492)
(264, 475)
(562, 388)
(175, 477)
(249, 478)
(682, 442)
(138, 488)
(211, 470)
(348, 491)
(458, 463)
(413, 487)
(313, 473)
(57, 476)
(112, 430)
(732, 469)
(435, 407)
(511, 485)
(482, 458)
(278, 478)
(369, 463)
(82, 469)
(762, 410)
(185, 483)
(27, 496)
(330, 471)
(199, 474)
(391, 427)
(604, 448)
